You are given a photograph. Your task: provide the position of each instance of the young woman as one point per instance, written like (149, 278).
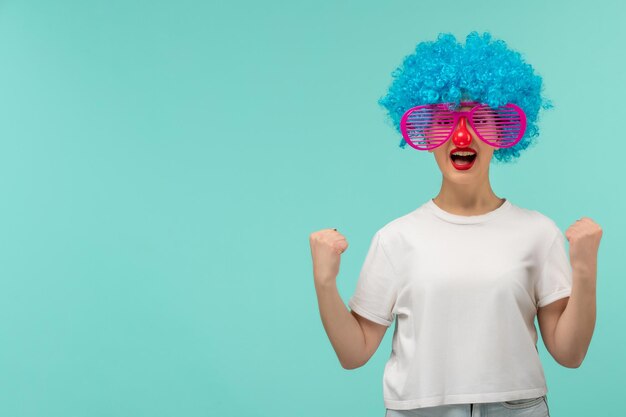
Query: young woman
(466, 273)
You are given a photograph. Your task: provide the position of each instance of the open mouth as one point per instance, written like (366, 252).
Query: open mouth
(463, 158)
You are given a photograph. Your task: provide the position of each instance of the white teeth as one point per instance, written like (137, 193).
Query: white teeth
(463, 153)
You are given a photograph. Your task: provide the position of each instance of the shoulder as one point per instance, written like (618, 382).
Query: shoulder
(394, 232)
(538, 222)
(389, 236)
(549, 226)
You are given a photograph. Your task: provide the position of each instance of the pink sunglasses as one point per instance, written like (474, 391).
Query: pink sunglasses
(429, 126)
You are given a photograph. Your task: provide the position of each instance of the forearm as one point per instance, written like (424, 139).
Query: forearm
(575, 327)
(342, 328)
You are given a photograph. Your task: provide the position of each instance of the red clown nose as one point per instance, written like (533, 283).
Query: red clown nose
(461, 136)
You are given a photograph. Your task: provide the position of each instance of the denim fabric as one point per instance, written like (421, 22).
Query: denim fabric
(530, 407)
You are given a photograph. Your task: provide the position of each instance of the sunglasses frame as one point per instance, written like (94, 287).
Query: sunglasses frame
(469, 117)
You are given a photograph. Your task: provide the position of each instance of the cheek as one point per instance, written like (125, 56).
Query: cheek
(441, 157)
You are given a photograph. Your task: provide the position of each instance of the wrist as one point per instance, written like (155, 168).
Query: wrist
(584, 279)
(585, 269)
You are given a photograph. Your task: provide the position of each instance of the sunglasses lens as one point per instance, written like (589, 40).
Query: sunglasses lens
(502, 127)
(427, 127)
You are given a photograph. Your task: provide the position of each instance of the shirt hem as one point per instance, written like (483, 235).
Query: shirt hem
(464, 399)
(553, 297)
(354, 306)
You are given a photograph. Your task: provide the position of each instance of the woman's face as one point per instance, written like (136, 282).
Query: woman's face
(463, 139)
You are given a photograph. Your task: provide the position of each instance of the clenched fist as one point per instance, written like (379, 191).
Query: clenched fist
(584, 241)
(327, 245)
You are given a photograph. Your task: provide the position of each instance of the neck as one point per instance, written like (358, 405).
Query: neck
(467, 199)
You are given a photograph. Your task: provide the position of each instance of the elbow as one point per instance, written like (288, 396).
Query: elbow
(571, 363)
(569, 359)
(351, 365)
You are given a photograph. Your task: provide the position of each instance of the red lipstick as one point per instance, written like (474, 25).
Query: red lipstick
(466, 166)
(463, 150)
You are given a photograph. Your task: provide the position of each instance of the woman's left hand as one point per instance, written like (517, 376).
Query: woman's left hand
(584, 240)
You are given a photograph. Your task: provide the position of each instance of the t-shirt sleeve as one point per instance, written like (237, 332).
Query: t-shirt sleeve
(555, 277)
(375, 294)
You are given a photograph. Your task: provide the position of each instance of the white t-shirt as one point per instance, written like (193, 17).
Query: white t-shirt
(465, 292)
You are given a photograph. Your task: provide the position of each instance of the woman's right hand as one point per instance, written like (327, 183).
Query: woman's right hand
(327, 245)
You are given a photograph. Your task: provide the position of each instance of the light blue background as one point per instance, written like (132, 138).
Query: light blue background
(163, 164)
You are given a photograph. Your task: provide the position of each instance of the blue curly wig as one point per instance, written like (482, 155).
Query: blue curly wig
(484, 70)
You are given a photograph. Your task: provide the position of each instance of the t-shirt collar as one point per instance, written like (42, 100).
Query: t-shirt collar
(458, 219)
